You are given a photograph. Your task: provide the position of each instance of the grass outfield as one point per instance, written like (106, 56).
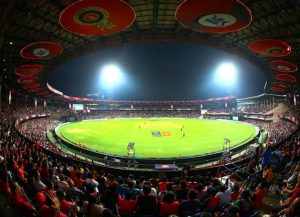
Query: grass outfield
(157, 137)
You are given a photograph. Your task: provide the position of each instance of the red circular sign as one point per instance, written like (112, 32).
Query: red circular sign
(270, 48)
(281, 84)
(97, 17)
(215, 16)
(286, 77)
(41, 50)
(28, 70)
(30, 86)
(277, 89)
(27, 80)
(35, 89)
(42, 92)
(283, 66)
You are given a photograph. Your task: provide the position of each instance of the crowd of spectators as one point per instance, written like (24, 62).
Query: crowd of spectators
(262, 117)
(138, 114)
(278, 131)
(258, 106)
(216, 116)
(284, 161)
(36, 129)
(292, 114)
(36, 184)
(256, 109)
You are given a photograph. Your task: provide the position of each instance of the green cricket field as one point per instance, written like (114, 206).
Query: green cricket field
(156, 137)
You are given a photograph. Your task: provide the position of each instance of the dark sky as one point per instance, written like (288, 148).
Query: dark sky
(158, 71)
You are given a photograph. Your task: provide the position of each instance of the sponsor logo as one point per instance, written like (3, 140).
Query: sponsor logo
(40, 52)
(217, 20)
(166, 134)
(284, 68)
(94, 16)
(156, 134)
(159, 134)
(27, 81)
(274, 50)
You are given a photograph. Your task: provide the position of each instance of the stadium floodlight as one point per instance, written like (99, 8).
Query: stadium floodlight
(111, 74)
(226, 73)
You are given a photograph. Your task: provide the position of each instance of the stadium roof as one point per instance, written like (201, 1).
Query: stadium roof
(23, 23)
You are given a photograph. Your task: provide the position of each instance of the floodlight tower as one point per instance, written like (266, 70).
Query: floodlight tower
(226, 73)
(110, 76)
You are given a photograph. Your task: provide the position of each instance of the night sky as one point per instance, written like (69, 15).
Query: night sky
(158, 71)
